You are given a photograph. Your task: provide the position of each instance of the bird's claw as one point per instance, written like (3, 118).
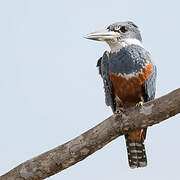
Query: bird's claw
(140, 104)
(120, 111)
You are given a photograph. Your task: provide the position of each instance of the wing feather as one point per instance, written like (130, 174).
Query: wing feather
(103, 64)
(150, 85)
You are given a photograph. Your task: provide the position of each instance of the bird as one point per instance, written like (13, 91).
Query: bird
(129, 77)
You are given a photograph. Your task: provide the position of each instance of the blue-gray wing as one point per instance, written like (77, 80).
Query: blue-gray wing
(150, 85)
(103, 64)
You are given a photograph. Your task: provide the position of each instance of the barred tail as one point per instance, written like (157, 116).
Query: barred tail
(136, 153)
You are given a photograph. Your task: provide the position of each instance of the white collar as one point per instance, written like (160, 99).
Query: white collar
(115, 46)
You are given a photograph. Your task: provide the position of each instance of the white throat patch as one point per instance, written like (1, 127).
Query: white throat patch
(115, 46)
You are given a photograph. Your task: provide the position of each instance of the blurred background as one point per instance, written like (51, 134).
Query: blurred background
(51, 92)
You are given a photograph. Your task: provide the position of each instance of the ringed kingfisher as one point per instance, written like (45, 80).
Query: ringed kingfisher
(129, 77)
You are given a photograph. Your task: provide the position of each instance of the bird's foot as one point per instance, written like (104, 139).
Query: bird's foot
(140, 104)
(120, 110)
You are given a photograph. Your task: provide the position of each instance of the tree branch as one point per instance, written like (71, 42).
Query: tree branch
(64, 156)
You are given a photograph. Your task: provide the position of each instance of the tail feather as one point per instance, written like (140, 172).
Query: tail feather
(136, 153)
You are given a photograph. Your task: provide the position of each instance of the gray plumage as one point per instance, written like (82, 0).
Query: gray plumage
(150, 84)
(103, 65)
(129, 59)
(131, 29)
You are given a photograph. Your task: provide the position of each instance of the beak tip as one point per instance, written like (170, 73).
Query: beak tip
(86, 36)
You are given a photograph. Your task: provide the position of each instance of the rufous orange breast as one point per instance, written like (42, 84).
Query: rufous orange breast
(129, 88)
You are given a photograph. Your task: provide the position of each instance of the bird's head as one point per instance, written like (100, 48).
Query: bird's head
(118, 35)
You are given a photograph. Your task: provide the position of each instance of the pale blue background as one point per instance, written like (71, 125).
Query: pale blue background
(50, 90)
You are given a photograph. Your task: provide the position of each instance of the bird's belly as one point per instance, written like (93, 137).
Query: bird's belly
(127, 89)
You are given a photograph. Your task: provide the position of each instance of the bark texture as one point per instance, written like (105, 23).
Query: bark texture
(64, 156)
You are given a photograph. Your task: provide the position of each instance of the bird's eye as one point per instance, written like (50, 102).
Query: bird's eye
(123, 29)
(116, 28)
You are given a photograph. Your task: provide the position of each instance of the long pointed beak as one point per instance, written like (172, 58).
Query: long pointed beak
(104, 35)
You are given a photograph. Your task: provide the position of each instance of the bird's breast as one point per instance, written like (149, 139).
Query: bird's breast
(128, 87)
